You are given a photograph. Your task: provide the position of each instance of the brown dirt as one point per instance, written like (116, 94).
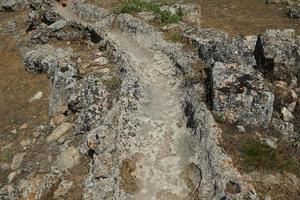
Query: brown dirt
(17, 86)
(246, 17)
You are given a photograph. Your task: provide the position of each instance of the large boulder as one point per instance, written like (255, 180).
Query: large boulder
(215, 46)
(240, 96)
(62, 70)
(283, 46)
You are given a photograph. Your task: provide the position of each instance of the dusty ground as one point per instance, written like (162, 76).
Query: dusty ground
(18, 86)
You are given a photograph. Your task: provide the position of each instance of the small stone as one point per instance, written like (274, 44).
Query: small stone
(268, 197)
(14, 131)
(36, 134)
(11, 176)
(101, 61)
(17, 161)
(294, 95)
(24, 126)
(36, 97)
(57, 119)
(60, 131)
(270, 141)
(285, 128)
(99, 53)
(67, 159)
(287, 115)
(291, 107)
(79, 61)
(26, 142)
(57, 25)
(50, 158)
(241, 129)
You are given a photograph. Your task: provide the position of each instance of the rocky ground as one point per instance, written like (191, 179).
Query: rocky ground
(149, 99)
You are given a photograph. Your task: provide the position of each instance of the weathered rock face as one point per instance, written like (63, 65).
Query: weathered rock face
(295, 12)
(12, 5)
(240, 95)
(215, 46)
(284, 48)
(92, 100)
(62, 70)
(288, 2)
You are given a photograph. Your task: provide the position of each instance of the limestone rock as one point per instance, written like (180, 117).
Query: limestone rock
(285, 128)
(270, 141)
(36, 97)
(59, 132)
(57, 25)
(287, 115)
(294, 12)
(240, 94)
(61, 68)
(17, 161)
(283, 48)
(67, 159)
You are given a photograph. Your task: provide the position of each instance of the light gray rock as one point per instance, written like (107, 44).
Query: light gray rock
(270, 142)
(291, 107)
(57, 25)
(283, 47)
(294, 12)
(240, 95)
(287, 115)
(68, 159)
(17, 161)
(36, 97)
(11, 177)
(12, 5)
(241, 129)
(61, 67)
(101, 61)
(285, 128)
(59, 132)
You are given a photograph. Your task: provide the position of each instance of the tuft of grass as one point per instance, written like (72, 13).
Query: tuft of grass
(134, 6)
(259, 156)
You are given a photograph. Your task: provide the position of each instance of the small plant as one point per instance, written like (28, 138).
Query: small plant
(134, 6)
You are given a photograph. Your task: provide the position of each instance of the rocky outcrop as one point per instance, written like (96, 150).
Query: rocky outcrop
(62, 69)
(282, 46)
(240, 95)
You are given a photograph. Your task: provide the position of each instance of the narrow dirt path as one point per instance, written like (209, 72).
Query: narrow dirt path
(162, 129)
(160, 168)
